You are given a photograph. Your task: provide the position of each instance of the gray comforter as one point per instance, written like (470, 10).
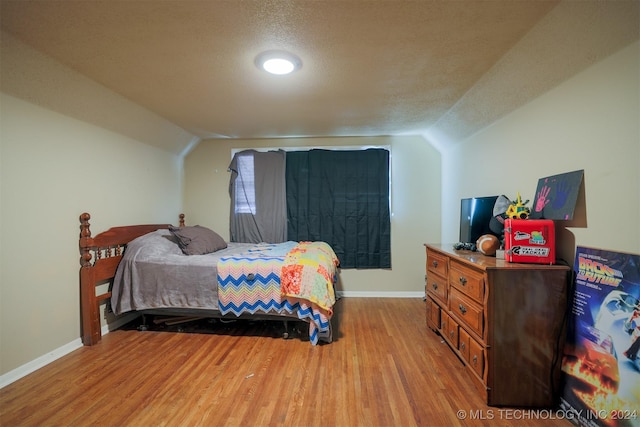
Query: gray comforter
(155, 274)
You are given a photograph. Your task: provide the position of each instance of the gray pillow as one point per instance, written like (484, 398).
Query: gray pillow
(197, 240)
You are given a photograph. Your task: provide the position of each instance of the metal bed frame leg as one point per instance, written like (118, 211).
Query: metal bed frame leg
(144, 326)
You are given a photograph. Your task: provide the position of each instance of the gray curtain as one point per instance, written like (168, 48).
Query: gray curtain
(258, 197)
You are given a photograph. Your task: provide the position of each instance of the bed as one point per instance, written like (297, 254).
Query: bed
(175, 271)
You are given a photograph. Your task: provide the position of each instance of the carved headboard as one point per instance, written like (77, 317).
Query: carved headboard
(99, 259)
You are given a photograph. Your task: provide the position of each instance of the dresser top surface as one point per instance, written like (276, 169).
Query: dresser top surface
(488, 262)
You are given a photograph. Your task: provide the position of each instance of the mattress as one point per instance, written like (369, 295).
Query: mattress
(155, 274)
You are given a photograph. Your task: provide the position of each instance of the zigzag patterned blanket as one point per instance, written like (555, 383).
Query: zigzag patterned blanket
(250, 282)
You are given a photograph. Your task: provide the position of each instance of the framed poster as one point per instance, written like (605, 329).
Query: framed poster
(601, 358)
(556, 196)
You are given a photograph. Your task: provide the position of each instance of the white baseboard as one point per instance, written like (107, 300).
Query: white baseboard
(34, 365)
(119, 322)
(380, 294)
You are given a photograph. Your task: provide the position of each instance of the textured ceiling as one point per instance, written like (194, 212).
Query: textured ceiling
(370, 67)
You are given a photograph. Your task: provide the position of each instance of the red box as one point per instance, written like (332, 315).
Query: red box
(531, 241)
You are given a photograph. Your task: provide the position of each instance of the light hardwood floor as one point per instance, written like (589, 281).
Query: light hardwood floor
(384, 368)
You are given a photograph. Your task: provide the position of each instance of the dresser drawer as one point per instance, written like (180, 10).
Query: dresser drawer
(437, 286)
(433, 315)
(476, 357)
(472, 352)
(468, 281)
(437, 263)
(468, 311)
(463, 344)
(450, 329)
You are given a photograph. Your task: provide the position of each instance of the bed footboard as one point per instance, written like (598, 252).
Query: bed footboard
(99, 259)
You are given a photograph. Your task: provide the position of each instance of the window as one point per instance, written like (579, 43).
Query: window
(245, 194)
(341, 197)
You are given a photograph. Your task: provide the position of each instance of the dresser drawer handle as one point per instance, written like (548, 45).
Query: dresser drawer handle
(451, 333)
(463, 280)
(463, 309)
(434, 286)
(462, 346)
(475, 360)
(435, 264)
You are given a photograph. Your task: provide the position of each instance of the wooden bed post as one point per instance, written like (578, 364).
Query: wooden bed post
(91, 333)
(107, 248)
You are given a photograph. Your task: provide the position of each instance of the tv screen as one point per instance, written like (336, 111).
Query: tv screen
(475, 216)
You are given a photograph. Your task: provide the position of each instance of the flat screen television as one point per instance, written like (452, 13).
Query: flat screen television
(475, 216)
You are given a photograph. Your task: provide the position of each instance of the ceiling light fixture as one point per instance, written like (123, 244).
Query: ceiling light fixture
(278, 62)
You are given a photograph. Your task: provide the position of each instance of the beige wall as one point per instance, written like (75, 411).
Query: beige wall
(589, 122)
(53, 168)
(415, 204)
(63, 151)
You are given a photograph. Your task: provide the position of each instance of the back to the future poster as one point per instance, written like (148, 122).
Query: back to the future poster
(601, 362)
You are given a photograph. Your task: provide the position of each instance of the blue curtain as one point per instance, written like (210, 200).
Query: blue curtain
(342, 198)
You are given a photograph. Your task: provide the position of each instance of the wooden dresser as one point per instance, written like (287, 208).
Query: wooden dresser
(505, 321)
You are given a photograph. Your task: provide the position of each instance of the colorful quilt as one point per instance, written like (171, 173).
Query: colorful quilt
(266, 279)
(309, 272)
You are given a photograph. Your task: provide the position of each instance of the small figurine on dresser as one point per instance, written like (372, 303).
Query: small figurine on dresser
(518, 209)
(503, 210)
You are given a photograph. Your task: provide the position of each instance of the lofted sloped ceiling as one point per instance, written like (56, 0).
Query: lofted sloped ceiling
(370, 67)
